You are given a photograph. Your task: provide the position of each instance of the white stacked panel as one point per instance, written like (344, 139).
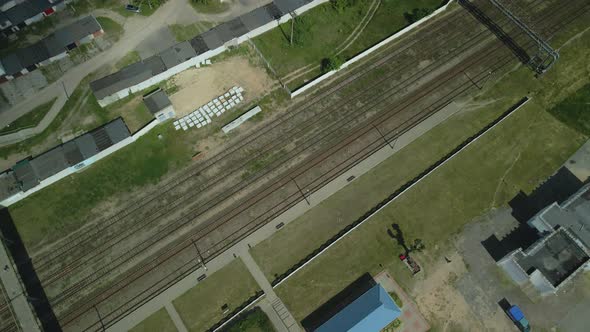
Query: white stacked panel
(202, 116)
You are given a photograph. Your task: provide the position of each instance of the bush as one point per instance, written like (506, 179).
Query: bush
(341, 5)
(301, 29)
(331, 63)
(416, 14)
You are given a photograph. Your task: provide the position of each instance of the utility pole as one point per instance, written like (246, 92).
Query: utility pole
(292, 27)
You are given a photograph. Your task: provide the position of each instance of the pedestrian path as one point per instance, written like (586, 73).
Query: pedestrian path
(278, 307)
(175, 317)
(17, 296)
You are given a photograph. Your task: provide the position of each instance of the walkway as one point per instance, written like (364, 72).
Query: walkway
(273, 306)
(17, 297)
(175, 317)
(288, 216)
(137, 29)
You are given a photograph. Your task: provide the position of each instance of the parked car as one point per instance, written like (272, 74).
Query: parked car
(132, 8)
(518, 318)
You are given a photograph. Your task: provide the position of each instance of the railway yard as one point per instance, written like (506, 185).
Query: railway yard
(110, 266)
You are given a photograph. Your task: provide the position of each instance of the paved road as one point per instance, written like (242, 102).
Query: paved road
(137, 29)
(16, 294)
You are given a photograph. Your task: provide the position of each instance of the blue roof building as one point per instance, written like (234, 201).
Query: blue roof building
(370, 312)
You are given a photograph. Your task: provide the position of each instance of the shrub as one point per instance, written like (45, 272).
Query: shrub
(331, 63)
(416, 14)
(341, 5)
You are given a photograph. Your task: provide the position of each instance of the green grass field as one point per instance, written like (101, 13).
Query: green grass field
(28, 120)
(160, 321)
(325, 29)
(111, 28)
(255, 320)
(185, 32)
(58, 209)
(200, 307)
(516, 155)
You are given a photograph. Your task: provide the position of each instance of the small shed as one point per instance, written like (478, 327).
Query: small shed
(159, 105)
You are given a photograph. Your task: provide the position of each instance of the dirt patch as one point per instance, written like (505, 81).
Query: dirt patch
(441, 302)
(198, 86)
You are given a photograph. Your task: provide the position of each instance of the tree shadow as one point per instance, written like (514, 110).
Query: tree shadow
(399, 237)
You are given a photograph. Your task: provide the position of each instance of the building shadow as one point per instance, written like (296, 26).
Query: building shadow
(338, 302)
(33, 288)
(484, 19)
(557, 188)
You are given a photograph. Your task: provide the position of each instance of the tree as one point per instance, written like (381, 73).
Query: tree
(416, 14)
(341, 5)
(417, 245)
(332, 63)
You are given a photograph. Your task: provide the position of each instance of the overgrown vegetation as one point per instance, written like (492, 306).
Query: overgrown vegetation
(253, 320)
(574, 111)
(341, 5)
(28, 120)
(331, 63)
(416, 14)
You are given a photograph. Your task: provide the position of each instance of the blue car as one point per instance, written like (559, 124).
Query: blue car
(518, 318)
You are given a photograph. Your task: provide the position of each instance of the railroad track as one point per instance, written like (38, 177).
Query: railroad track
(85, 256)
(319, 184)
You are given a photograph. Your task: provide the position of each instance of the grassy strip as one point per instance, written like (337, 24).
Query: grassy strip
(517, 155)
(323, 29)
(111, 28)
(209, 6)
(573, 111)
(129, 58)
(200, 307)
(184, 32)
(253, 320)
(159, 321)
(28, 120)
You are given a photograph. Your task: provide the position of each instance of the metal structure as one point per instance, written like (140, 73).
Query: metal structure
(546, 55)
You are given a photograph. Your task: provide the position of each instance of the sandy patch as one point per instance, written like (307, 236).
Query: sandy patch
(198, 86)
(439, 301)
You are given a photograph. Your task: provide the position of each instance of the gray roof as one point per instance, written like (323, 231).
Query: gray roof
(26, 10)
(117, 130)
(177, 54)
(50, 46)
(49, 163)
(11, 64)
(256, 18)
(573, 215)
(156, 101)
(212, 39)
(124, 78)
(30, 172)
(199, 45)
(155, 64)
(237, 28)
(72, 153)
(25, 174)
(288, 6)
(86, 146)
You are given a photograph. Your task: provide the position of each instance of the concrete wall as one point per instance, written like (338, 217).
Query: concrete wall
(369, 51)
(541, 283)
(80, 166)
